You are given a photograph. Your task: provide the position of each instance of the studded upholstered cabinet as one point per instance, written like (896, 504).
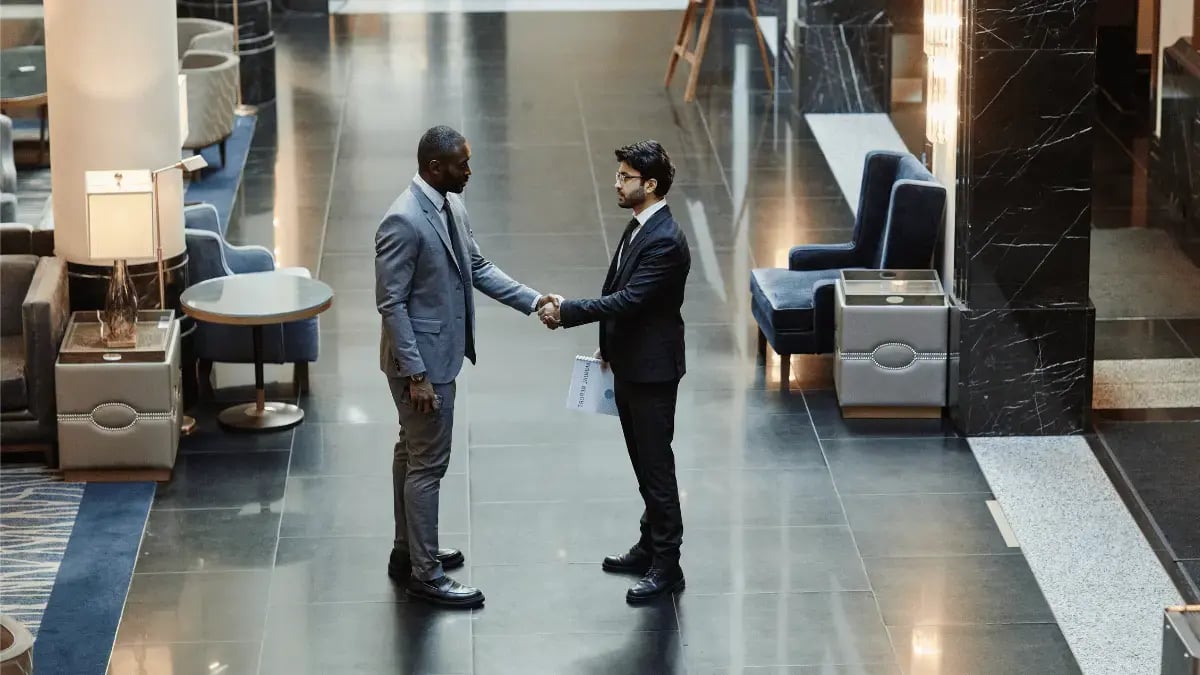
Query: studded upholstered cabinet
(891, 342)
(119, 409)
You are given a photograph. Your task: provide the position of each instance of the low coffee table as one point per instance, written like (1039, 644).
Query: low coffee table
(256, 300)
(23, 85)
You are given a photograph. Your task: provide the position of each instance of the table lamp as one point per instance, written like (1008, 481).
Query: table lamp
(120, 225)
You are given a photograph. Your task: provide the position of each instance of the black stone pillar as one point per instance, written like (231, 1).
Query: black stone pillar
(1175, 153)
(842, 57)
(1023, 325)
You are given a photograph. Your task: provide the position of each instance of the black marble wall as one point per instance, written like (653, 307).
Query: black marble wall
(1175, 154)
(842, 56)
(1024, 324)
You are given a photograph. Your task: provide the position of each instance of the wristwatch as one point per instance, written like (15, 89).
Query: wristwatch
(417, 378)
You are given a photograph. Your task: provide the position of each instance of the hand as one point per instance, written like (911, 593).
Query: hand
(548, 299)
(423, 397)
(548, 311)
(603, 363)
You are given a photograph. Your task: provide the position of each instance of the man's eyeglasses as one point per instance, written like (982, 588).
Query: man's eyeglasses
(624, 178)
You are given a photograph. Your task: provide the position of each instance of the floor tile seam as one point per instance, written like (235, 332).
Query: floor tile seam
(875, 439)
(241, 451)
(916, 494)
(853, 538)
(1179, 336)
(207, 572)
(375, 474)
(188, 509)
(279, 525)
(561, 502)
(963, 624)
(129, 584)
(592, 168)
(157, 643)
(337, 144)
(492, 636)
(944, 556)
(389, 536)
(765, 528)
(366, 536)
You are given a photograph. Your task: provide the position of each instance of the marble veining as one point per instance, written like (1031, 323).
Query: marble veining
(1034, 24)
(1021, 372)
(843, 69)
(1024, 222)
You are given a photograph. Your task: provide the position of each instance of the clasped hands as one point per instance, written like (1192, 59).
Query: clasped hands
(548, 310)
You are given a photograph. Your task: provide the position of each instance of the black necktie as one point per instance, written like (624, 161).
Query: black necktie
(633, 224)
(463, 275)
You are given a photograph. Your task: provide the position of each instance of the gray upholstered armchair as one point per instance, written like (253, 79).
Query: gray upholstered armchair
(212, 91)
(8, 172)
(34, 310)
(205, 34)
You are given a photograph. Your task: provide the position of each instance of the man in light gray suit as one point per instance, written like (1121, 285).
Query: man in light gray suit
(426, 263)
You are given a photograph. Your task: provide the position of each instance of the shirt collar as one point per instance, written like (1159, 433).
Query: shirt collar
(646, 214)
(438, 199)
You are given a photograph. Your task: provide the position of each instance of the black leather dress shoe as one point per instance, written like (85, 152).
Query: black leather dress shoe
(400, 569)
(635, 561)
(444, 591)
(657, 583)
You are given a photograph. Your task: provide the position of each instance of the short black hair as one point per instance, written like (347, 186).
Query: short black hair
(437, 143)
(652, 161)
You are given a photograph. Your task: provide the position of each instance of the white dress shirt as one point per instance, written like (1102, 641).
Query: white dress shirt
(642, 219)
(439, 201)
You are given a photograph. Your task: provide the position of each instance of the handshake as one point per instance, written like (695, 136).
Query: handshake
(547, 309)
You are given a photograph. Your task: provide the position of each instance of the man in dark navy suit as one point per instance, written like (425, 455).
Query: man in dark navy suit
(641, 339)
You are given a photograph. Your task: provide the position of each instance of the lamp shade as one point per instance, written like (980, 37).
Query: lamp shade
(120, 214)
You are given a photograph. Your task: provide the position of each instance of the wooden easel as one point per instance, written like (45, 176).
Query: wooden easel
(694, 57)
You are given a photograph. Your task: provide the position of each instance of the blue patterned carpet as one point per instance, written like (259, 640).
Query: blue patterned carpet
(37, 513)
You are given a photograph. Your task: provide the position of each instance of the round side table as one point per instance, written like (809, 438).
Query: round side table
(256, 300)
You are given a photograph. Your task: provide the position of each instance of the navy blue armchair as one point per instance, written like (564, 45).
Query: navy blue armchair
(900, 209)
(209, 257)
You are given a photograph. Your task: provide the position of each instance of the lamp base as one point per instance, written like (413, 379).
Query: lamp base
(120, 343)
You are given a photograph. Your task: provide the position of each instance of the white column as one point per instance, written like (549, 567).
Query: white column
(112, 69)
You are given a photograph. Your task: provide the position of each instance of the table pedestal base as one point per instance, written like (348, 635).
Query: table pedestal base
(273, 415)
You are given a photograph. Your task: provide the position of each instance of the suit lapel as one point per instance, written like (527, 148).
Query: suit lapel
(638, 242)
(431, 214)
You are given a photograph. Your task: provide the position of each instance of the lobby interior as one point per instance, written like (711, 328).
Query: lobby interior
(1042, 524)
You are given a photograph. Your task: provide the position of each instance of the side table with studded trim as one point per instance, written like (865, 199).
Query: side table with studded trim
(891, 342)
(119, 410)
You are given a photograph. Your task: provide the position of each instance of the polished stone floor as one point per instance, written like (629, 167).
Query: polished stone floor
(813, 545)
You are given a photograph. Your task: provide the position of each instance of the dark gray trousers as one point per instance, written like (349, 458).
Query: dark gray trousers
(420, 460)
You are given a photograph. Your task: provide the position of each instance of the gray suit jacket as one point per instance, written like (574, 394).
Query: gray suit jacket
(418, 289)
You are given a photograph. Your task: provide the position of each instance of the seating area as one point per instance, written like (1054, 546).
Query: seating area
(897, 226)
(211, 257)
(36, 306)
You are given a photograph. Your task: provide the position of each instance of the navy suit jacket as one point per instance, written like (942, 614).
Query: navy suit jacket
(641, 324)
